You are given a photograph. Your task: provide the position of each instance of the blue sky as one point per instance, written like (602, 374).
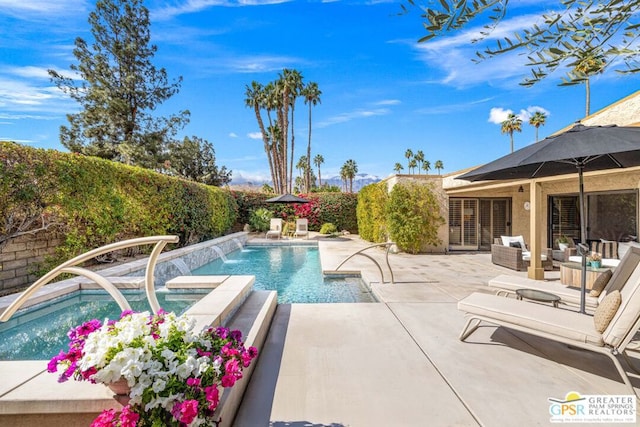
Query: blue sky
(382, 92)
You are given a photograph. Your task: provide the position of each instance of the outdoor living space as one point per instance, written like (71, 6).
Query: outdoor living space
(400, 362)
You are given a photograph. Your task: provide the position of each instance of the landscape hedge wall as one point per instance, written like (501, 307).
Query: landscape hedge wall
(94, 201)
(336, 208)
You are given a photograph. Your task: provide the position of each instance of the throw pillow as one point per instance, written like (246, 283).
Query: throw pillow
(515, 245)
(606, 311)
(600, 283)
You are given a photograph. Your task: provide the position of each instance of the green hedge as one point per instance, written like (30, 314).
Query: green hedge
(97, 201)
(372, 200)
(336, 208)
(409, 215)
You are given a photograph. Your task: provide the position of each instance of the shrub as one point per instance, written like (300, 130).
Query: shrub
(95, 201)
(260, 219)
(413, 216)
(372, 200)
(328, 228)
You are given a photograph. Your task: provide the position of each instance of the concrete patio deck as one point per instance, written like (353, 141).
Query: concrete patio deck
(400, 363)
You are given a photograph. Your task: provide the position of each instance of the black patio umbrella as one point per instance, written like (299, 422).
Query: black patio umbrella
(581, 148)
(286, 198)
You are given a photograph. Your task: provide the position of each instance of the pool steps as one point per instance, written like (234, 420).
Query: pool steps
(195, 282)
(31, 396)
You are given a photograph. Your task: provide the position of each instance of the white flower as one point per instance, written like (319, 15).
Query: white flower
(159, 385)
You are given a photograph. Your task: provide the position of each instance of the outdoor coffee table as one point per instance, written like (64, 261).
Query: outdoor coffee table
(571, 274)
(535, 295)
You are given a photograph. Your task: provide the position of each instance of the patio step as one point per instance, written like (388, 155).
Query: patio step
(195, 282)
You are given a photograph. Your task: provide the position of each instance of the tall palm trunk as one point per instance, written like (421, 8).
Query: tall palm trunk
(308, 174)
(293, 140)
(265, 141)
(588, 96)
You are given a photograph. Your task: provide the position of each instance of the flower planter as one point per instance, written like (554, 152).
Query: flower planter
(121, 391)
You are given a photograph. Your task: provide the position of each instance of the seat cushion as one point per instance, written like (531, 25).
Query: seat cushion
(537, 319)
(627, 314)
(570, 296)
(526, 256)
(606, 262)
(506, 240)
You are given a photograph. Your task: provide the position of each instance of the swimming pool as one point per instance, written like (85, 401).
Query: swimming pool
(293, 271)
(40, 332)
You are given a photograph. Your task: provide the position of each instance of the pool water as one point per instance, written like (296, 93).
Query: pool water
(40, 332)
(293, 271)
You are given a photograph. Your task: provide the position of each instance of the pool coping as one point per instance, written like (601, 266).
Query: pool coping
(28, 389)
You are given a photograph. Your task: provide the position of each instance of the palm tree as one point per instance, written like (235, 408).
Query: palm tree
(512, 124)
(302, 171)
(311, 95)
(351, 169)
(343, 177)
(538, 119)
(426, 166)
(408, 154)
(318, 160)
(412, 164)
(397, 168)
(254, 98)
(291, 87)
(439, 166)
(419, 156)
(589, 63)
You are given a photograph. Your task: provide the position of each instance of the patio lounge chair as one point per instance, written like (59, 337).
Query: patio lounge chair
(302, 228)
(506, 285)
(608, 332)
(275, 228)
(511, 252)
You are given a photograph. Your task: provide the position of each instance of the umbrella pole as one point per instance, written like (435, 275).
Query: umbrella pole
(583, 239)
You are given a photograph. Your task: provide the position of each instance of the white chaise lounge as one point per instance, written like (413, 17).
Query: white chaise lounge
(506, 284)
(608, 332)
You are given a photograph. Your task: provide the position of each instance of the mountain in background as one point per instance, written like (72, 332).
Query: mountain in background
(360, 180)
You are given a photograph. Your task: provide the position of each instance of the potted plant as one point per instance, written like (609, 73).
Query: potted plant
(563, 242)
(162, 371)
(595, 259)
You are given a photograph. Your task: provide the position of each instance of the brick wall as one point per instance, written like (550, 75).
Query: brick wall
(20, 256)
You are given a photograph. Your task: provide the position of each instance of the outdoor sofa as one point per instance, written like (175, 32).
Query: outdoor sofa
(511, 252)
(609, 331)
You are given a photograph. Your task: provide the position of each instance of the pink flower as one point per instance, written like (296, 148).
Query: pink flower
(128, 417)
(232, 367)
(191, 382)
(228, 380)
(106, 419)
(213, 396)
(188, 411)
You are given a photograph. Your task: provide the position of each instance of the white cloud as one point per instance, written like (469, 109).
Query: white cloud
(453, 56)
(233, 135)
(451, 108)
(255, 135)
(347, 117)
(388, 102)
(498, 115)
(41, 7)
(191, 6)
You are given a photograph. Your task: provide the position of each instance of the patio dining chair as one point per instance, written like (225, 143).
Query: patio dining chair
(609, 331)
